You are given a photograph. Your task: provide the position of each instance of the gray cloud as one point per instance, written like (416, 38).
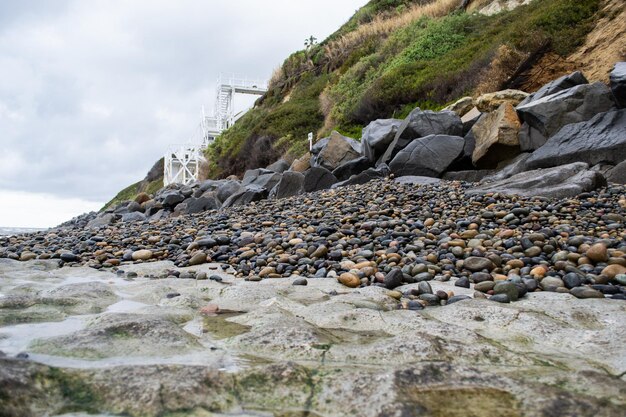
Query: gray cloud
(91, 93)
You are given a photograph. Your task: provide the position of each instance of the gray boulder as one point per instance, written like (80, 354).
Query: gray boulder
(200, 204)
(228, 188)
(350, 168)
(377, 136)
(337, 149)
(617, 174)
(558, 182)
(172, 198)
(279, 166)
(578, 104)
(530, 138)
(104, 219)
(246, 195)
(563, 83)
(267, 181)
(134, 216)
(318, 178)
(429, 156)
(512, 167)
(369, 174)
(420, 123)
(601, 139)
(618, 83)
(251, 174)
(290, 184)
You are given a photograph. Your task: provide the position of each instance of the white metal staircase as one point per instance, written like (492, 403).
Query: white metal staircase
(182, 161)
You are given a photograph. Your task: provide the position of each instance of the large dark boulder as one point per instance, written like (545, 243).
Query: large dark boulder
(530, 138)
(331, 152)
(251, 174)
(172, 198)
(246, 195)
(198, 205)
(578, 104)
(618, 83)
(369, 174)
(377, 136)
(350, 168)
(420, 123)
(228, 188)
(279, 166)
(291, 183)
(318, 178)
(429, 156)
(267, 181)
(601, 139)
(560, 84)
(557, 182)
(617, 174)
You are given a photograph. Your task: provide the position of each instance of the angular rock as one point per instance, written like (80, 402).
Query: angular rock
(369, 174)
(530, 138)
(462, 106)
(420, 123)
(601, 139)
(279, 166)
(350, 168)
(377, 136)
(290, 184)
(267, 180)
(515, 166)
(559, 182)
(228, 188)
(496, 135)
(563, 83)
(133, 217)
(104, 219)
(318, 178)
(197, 205)
(172, 198)
(491, 101)
(618, 83)
(617, 174)
(429, 156)
(577, 104)
(335, 151)
(301, 164)
(248, 194)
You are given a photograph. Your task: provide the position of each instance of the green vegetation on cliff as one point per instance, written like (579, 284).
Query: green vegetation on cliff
(392, 56)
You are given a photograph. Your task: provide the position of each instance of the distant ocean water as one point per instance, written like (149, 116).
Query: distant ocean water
(7, 231)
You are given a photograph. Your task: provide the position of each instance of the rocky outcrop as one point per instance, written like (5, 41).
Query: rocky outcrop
(601, 139)
(577, 104)
(496, 136)
(429, 156)
(559, 182)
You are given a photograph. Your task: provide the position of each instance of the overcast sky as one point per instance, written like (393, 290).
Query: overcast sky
(92, 92)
